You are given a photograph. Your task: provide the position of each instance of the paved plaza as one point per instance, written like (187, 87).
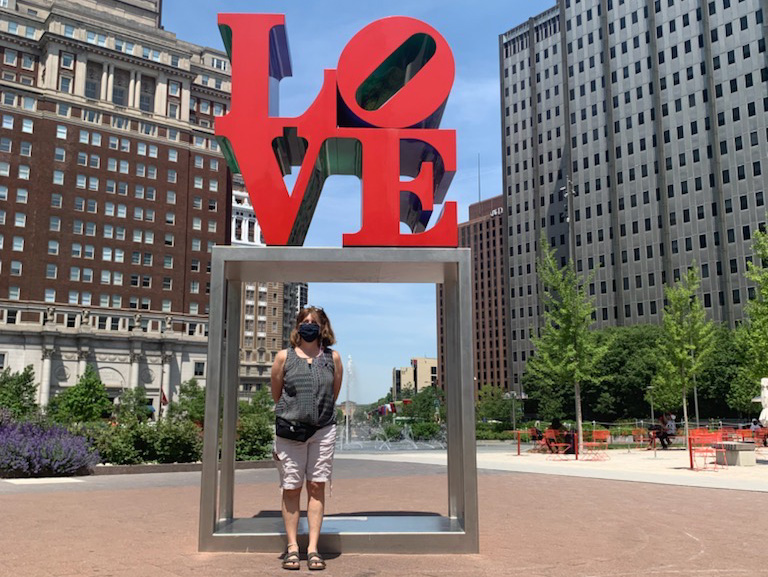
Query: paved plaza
(632, 515)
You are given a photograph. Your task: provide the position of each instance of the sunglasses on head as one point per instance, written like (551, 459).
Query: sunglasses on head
(314, 308)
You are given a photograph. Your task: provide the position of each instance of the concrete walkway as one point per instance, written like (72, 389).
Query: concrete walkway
(671, 467)
(532, 524)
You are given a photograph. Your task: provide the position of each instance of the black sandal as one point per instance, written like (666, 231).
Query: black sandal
(315, 562)
(291, 559)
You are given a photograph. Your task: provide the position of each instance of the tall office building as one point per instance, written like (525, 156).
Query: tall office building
(112, 193)
(634, 138)
(485, 234)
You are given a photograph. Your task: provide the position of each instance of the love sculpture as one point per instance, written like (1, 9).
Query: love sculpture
(376, 117)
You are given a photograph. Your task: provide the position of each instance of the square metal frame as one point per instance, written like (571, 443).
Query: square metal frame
(457, 532)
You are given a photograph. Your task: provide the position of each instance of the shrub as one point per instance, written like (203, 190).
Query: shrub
(115, 444)
(176, 441)
(133, 407)
(164, 442)
(494, 432)
(425, 431)
(392, 432)
(38, 450)
(145, 436)
(254, 438)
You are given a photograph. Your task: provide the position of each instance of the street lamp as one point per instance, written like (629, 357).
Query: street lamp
(649, 388)
(514, 395)
(570, 192)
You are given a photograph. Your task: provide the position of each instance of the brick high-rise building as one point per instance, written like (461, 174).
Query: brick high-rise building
(112, 193)
(485, 234)
(652, 116)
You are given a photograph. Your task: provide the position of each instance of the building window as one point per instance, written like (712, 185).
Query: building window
(120, 86)
(147, 94)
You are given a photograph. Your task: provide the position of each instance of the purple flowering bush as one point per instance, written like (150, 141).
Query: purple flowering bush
(35, 449)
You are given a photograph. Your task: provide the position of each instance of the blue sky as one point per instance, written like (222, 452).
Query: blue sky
(382, 326)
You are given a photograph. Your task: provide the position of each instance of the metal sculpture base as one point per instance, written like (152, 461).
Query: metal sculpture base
(408, 534)
(372, 533)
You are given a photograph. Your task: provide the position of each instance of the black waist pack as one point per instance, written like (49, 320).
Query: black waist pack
(292, 430)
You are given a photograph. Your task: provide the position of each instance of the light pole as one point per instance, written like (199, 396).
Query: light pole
(570, 192)
(513, 396)
(653, 419)
(650, 394)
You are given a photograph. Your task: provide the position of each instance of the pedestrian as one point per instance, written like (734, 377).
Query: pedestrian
(305, 380)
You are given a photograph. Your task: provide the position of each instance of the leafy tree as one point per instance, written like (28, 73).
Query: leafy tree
(426, 405)
(262, 400)
(720, 371)
(191, 403)
(491, 404)
(86, 401)
(753, 333)
(18, 392)
(260, 404)
(627, 368)
(567, 352)
(686, 344)
(134, 406)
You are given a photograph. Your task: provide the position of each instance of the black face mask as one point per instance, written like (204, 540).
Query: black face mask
(309, 331)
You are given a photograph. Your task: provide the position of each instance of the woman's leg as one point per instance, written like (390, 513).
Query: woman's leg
(315, 511)
(290, 506)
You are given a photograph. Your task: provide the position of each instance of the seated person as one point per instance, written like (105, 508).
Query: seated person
(570, 438)
(671, 429)
(555, 434)
(659, 432)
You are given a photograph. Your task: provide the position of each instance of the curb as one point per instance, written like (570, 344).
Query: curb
(172, 468)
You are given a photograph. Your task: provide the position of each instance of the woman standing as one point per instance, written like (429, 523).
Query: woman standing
(306, 380)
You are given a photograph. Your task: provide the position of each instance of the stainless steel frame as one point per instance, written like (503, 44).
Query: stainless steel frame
(456, 533)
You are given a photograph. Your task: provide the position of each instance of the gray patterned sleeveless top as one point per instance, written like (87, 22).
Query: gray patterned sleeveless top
(307, 394)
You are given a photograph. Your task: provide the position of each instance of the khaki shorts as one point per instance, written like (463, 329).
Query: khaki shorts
(311, 460)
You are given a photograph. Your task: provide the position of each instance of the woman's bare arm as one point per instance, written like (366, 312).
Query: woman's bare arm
(338, 373)
(276, 377)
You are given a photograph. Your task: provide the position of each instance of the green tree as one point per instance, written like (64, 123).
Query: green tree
(686, 344)
(567, 351)
(134, 406)
(628, 367)
(492, 405)
(426, 405)
(753, 333)
(86, 401)
(18, 392)
(191, 403)
(720, 370)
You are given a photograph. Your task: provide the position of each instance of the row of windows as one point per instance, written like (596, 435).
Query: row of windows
(105, 300)
(123, 144)
(18, 59)
(108, 277)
